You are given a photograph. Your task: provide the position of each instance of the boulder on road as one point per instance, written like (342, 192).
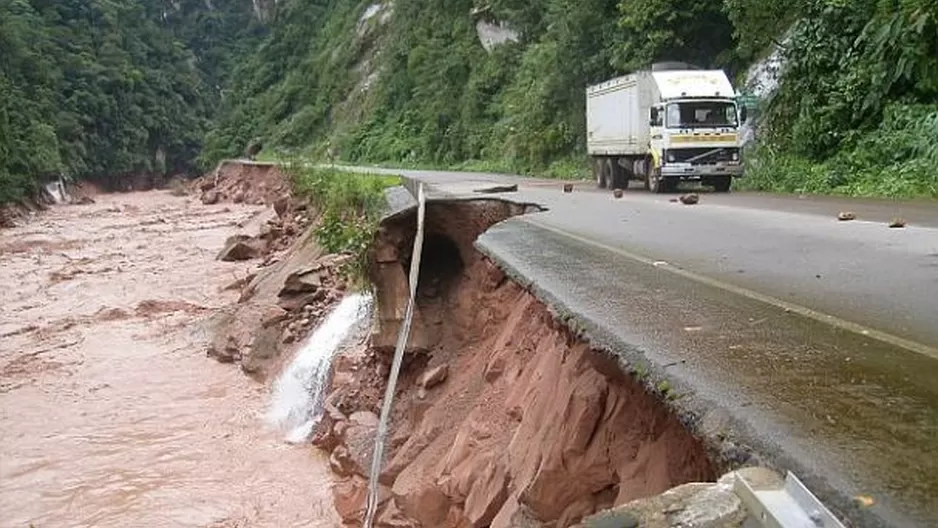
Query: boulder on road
(690, 199)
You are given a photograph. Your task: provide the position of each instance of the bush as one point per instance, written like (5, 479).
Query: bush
(350, 205)
(896, 160)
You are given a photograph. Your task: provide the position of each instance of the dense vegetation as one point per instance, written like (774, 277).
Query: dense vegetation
(107, 89)
(350, 205)
(439, 97)
(857, 109)
(95, 88)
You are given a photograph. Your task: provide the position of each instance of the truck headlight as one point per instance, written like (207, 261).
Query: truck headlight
(736, 156)
(670, 157)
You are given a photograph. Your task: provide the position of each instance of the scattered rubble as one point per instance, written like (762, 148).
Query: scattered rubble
(617, 193)
(278, 306)
(690, 199)
(846, 216)
(250, 183)
(568, 187)
(897, 223)
(210, 197)
(241, 247)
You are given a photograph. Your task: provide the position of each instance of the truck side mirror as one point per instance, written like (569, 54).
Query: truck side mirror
(742, 114)
(654, 116)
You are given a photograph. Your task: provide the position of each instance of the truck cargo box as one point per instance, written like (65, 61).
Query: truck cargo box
(617, 120)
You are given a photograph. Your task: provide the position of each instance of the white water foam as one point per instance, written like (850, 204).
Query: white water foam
(296, 405)
(57, 191)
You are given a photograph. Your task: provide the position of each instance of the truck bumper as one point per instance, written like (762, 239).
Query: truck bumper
(696, 172)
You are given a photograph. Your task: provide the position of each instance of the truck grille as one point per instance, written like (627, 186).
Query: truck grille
(713, 155)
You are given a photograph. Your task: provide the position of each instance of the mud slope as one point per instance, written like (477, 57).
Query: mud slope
(502, 417)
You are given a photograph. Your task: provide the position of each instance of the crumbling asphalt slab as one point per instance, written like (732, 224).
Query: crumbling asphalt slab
(851, 414)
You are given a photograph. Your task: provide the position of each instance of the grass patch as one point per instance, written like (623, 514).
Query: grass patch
(350, 205)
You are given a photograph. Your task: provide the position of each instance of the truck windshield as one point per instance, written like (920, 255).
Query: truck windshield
(701, 114)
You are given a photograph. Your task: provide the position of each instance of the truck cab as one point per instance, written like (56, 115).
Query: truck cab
(694, 130)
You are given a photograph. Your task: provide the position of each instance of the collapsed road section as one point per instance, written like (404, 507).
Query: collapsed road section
(502, 416)
(511, 409)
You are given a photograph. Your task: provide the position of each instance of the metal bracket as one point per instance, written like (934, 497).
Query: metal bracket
(790, 506)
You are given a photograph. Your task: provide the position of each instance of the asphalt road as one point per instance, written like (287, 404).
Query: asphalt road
(817, 338)
(792, 249)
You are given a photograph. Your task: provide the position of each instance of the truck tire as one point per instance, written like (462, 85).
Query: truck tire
(620, 178)
(608, 175)
(599, 172)
(721, 184)
(655, 183)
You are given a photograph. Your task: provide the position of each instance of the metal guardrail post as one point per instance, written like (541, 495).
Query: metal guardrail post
(402, 337)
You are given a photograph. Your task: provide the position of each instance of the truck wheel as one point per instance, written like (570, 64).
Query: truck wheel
(599, 167)
(620, 179)
(655, 183)
(608, 173)
(722, 184)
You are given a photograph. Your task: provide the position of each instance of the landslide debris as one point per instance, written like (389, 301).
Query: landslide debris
(295, 284)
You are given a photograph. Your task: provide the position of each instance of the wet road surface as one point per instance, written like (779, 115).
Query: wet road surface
(850, 415)
(811, 341)
(110, 413)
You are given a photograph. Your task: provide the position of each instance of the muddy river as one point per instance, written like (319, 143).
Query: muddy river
(110, 413)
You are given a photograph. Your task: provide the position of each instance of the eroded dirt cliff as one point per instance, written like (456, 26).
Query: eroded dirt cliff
(502, 418)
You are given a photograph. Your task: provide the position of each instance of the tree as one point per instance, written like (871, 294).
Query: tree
(695, 31)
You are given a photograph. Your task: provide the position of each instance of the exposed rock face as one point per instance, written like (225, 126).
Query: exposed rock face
(260, 328)
(264, 326)
(502, 418)
(694, 505)
(256, 183)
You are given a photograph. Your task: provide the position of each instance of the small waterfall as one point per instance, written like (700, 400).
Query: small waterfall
(57, 191)
(296, 405)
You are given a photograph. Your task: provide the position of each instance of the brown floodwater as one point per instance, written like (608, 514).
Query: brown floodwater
(110, 413)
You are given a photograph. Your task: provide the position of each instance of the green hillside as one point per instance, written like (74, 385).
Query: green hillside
(107, 89)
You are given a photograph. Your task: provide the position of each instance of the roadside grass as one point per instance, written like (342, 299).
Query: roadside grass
(349, 205)
(786, 173)
(898, 159)
(571, 168)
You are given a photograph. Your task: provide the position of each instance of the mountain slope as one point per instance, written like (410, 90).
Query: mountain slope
(108, 89)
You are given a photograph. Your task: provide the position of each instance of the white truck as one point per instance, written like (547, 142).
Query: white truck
(665, 125)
